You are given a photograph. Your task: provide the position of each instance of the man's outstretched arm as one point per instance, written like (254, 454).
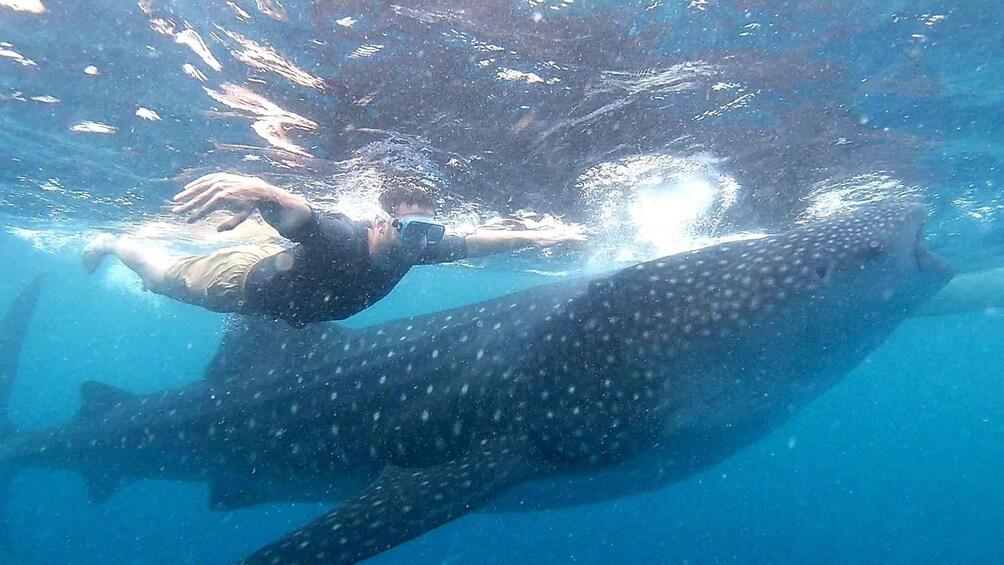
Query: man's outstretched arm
(242, 195)
(489, 241)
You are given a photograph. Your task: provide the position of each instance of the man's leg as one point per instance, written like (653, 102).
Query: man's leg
(150, 263)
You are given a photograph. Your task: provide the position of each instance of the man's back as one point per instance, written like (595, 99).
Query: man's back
(329, 274)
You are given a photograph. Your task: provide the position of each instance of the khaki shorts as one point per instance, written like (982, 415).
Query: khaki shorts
(215, 281)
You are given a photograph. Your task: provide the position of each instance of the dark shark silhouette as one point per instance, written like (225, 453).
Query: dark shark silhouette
(622, 384)
(13, 329)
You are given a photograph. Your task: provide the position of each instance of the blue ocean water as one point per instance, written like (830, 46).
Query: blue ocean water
(671, 125)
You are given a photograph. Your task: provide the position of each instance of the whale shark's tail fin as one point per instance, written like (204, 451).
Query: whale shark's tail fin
(13, 329)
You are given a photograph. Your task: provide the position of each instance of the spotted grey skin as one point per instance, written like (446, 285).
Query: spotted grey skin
(560, 395)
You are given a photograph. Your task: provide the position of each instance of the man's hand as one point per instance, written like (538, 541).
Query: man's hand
(238, 193)
(241, 195)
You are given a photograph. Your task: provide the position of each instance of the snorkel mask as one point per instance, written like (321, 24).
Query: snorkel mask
(419, 231)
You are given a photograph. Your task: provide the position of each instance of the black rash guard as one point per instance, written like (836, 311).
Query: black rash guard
(328, 275)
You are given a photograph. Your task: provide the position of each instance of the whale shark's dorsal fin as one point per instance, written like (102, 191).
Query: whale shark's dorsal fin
(253, 346)
(96, 398)
(403, 504)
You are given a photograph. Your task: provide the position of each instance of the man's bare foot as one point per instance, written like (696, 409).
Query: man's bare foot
(96, 251)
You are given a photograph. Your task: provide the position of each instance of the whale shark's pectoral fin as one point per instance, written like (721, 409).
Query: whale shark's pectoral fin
(102, 485)
(403, 504)
(235, 493)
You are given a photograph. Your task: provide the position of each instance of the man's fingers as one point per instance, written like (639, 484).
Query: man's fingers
(234, 220)
(198, 199)
(576, 233)
(206, 182)
(213, 204)
(197, 190)
(198, 185)
(188, 192)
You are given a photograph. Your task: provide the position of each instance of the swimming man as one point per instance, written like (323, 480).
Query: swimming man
(337, 267)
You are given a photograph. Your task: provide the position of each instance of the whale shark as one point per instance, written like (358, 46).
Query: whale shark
(556, 396)
(13, 331)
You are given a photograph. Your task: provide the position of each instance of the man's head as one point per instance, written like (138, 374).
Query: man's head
(407, 227)
(409, 194)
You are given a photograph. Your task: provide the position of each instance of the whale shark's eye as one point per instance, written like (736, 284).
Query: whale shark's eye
(821, 271)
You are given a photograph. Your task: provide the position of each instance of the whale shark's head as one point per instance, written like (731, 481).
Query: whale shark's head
(730, 334)
(868, 265)
(887, 238)
(869, 261)
(865, 265)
